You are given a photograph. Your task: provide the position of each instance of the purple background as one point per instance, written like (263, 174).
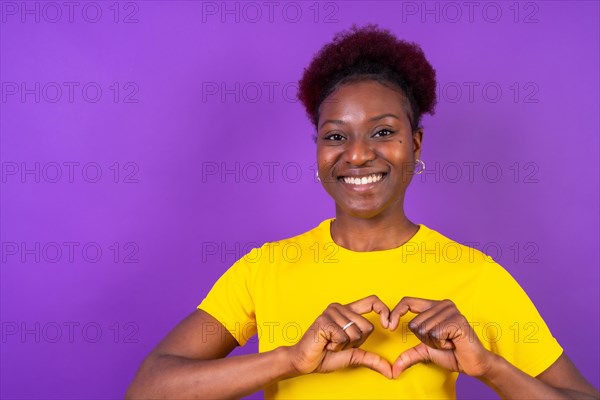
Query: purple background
(180, 209)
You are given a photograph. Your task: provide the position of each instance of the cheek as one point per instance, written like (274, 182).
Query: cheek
(395, 152)
(326, 158)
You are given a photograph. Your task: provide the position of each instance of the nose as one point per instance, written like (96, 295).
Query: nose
(358, 152)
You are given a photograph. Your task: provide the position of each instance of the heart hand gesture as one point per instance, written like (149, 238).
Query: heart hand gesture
(333, 341)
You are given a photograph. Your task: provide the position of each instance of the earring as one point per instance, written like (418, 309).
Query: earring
(422, 163)
(319, 179)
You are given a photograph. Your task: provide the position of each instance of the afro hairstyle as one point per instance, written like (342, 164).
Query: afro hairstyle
(369, 53)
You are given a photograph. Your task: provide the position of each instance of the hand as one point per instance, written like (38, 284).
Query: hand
(326, 347)
(447, 338)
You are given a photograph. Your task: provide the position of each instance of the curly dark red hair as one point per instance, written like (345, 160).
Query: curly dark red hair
(369, 53)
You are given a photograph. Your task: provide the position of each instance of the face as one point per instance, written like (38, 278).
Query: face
(366, 151)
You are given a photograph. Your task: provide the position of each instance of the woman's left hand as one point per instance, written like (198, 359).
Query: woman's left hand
(446, 338)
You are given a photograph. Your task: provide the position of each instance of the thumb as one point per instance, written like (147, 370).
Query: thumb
(356, 357)
(410, 357)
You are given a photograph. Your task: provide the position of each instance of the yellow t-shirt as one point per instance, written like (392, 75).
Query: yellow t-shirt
(278, 290)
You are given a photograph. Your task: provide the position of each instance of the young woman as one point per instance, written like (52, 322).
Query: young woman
(345, 309)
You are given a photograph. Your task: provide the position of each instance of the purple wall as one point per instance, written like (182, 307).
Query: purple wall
(146, 146)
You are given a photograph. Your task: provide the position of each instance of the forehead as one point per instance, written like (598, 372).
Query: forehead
(362, 100)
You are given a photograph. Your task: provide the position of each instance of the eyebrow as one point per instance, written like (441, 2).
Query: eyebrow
(376, 118)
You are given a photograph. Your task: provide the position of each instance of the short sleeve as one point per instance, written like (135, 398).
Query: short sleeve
(230, 300)
(511, 326)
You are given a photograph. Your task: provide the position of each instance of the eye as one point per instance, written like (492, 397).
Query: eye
(383, 133)
(334, 137)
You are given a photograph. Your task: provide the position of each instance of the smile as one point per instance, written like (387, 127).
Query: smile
(364, 180)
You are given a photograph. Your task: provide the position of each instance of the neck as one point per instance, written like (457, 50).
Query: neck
(382, 232)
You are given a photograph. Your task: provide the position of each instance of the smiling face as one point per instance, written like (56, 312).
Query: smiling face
(366, 150)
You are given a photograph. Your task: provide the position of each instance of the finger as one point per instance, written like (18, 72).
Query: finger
(410, 357)
(431, 326)
(361, 328)
(358, 328)
(457, 330)
(446, 335)
(357, 334)
(327, 332)
(336, 337)
(354, 324)
(413, 304)
(441, 326)
(371, 303)
(357, 358)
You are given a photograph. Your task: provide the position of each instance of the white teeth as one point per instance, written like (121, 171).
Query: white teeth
(364, 180)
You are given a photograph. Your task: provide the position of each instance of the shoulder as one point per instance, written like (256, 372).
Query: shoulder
(291, 247)
(450, 251)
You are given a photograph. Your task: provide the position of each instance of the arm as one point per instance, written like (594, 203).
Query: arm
(561, 380)
(449, 341)
(189, 363)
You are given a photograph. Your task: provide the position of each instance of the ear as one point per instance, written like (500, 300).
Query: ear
(417, 139)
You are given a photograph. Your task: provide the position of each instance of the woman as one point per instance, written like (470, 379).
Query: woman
(343, 310)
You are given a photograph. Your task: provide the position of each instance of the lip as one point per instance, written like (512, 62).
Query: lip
(364, 187)
(360, 174)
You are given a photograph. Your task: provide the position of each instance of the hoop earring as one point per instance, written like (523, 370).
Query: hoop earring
(422, 163)
(319, 179)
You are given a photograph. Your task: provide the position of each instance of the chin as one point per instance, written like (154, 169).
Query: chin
(363, 211)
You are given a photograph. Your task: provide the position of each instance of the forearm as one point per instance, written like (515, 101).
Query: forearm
(509, 382)
(165, 376)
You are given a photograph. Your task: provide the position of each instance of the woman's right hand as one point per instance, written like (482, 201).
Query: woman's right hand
(326, 346)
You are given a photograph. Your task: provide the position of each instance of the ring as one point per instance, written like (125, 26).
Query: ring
(348, 325)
